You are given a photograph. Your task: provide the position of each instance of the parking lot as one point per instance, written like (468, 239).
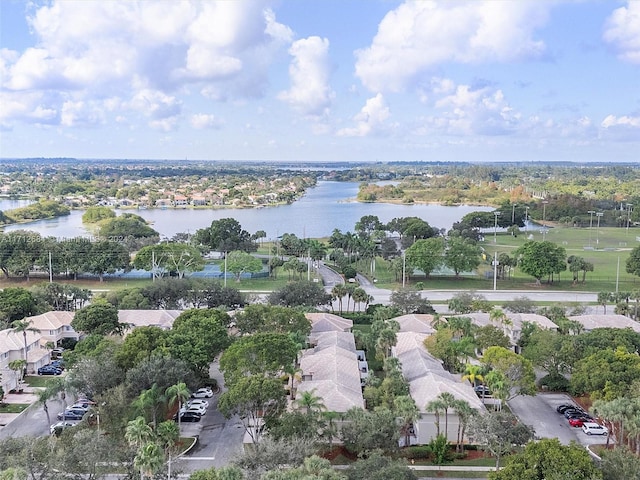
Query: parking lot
(540, 413)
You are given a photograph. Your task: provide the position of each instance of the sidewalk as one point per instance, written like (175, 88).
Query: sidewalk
(28, 396)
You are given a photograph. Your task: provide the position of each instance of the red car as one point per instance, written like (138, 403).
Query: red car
(578, 421)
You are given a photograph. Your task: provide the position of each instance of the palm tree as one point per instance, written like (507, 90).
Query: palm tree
(436, 406)
(407, 410)
(152, 399)
(438, 321)
(311, 402)
(44, 395)
(149, 459)
(497, 382)
(177, 393)
(138, 432)
(448, 401)
(473, 373)
(18, 366)
(168, 434)
(386, 339)
(464, 412)
(24, 326)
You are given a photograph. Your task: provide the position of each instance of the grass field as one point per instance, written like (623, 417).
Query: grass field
(608, 252)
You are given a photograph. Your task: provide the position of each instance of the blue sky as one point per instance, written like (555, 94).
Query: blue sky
(321, 80)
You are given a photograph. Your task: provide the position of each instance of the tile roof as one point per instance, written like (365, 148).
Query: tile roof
(328, 322)
(51, 320)
(416, 322)
(147, 318)
(591, 322)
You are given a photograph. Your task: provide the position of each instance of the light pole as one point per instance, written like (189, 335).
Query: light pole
(629, 205)
(598, 215)
(590, 212)
(495, 226)
(544, 217)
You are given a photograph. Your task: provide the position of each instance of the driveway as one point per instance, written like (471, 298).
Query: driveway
(540, 413)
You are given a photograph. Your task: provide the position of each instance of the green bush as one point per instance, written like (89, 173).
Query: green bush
(554, 382)
(418, 452)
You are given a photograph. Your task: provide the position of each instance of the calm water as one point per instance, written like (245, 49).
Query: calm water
(324, 208)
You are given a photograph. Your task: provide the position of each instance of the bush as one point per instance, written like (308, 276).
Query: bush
(418, 452)
(555, 382)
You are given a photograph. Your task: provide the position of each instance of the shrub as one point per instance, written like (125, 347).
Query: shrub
(555, 382)
(418, 452)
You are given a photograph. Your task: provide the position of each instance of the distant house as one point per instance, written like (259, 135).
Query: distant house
(148, 318)
(12, 348)
(198, 200)
(180, 200)
(54, 326)
(591, 322)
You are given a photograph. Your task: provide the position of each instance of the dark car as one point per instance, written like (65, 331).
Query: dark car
(71, 415)
(565, 406)
(572, 412)
(482, 390)
(59, 364)
(49, 370)
(188, 417)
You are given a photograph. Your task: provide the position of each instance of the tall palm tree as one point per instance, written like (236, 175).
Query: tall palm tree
(178, 393)
(407, 410)
(338, 292)
(436, 406)
(18, 366)
(24, 326)
(149, 459)
(44, 395)
(464, 412)
(138, 432)
(448, 401)
(152, 399)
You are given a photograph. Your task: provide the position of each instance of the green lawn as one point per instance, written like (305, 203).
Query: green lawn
(12, 407)
(614, 244)
(39, 381)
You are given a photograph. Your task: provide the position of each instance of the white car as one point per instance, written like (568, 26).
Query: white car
(79, 406)
(57, 428)
(205, 392)
(198, 401)
(199, 409)
(591, 428)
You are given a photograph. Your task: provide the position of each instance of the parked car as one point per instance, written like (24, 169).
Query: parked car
(579, 421)
(565, 406)
(482, 390)
(57, 352)
(592, 428)
(205, 392)
(80, 406)
(71, 415)
(572, 412)
(49, 370)
(56, 428)
(188, 417)
(198, 401)
(58, 364)
(199, 409)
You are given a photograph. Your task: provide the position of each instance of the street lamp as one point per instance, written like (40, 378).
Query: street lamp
(495, 225)
(590, 212)
(598, 215)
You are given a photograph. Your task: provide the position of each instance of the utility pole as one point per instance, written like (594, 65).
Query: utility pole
(590, 212)
(598, 215)
(495, 226)
(495, 270)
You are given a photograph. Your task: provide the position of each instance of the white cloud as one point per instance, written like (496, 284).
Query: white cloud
(419, 35)
(91, 50)
(78, 113)
(202, 121)
(622, 31)
(163, 110)
(370, 120)
(310, 93)
(613, 121)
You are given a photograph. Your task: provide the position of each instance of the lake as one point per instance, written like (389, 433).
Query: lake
(322, 209)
